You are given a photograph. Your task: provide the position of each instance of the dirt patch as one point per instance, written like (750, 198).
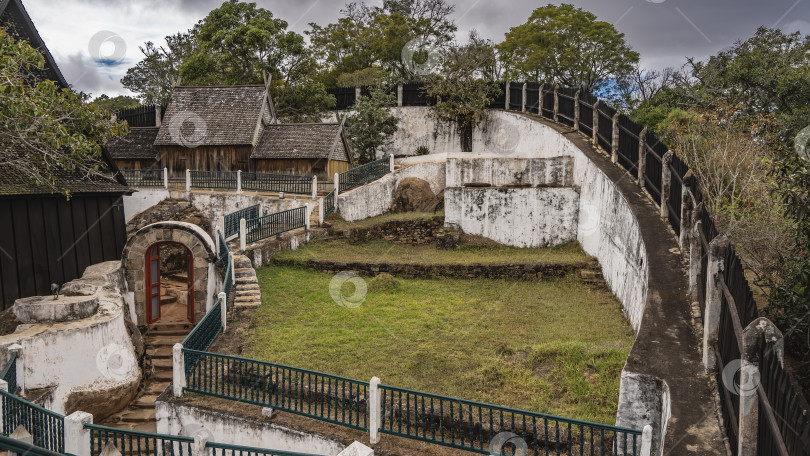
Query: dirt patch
(8, 322)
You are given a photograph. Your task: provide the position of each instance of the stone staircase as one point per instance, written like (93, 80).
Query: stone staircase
(140, 413)
(246, 290)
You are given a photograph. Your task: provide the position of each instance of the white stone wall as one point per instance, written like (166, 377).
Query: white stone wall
(520, 217)
(179, 419)
(92, 355)
(498, 171)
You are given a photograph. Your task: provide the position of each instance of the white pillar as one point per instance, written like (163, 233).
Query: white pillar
(307, 216)
(178, 370)
(165, 178)
(242, 234)
(320, 212)
(223, 309)
(391, 162)
(314, 188)
(77, 437)
(199, 448)
(233, 269)
(337, 183)
(646, 441)
(17, 348)
(188, 180)
(374, 410)
(238, 181)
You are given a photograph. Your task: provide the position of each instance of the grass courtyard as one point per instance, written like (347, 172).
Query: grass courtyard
(554, 346)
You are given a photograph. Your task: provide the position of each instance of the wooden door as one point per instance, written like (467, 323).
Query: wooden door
(153, 284)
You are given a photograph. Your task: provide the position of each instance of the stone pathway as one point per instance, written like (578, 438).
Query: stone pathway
(246, 289)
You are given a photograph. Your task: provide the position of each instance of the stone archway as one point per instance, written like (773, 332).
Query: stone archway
(202, 249)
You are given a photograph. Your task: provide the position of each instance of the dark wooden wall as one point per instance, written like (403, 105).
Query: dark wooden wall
(137, 164)
(48, 239)
(204, 158)
(322, 167)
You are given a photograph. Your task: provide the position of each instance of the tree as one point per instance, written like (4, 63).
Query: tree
(566, 45)
(371, 125)
(114, 104)
(239, 43)
(46, 131)
(154, 77)
(464, 90)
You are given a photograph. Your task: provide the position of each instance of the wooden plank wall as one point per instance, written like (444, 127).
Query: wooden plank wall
(52, 240)
(322, 167)
(205, 158)
(137, 164)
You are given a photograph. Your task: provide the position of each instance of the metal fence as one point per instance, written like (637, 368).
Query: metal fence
(12, 446)
(232, 220)
(143, 177)
(363, 174)
(329, 203)
(202, 335)
(46, 427)
(287, 183)
(225, 180)
(275, 224)
(317, 395)
(9, 373)
(137, 442)
(141, 116)
(222, 449)
(223, 249)
(489, 429)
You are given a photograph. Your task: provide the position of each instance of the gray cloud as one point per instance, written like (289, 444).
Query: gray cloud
(665, 32)
(87, 76)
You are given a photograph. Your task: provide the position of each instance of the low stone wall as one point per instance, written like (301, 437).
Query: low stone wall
(261, 253)
(90, 363)
(409, 232)
(520, 217)
(456, 271)
(176, 418)
(498, 171)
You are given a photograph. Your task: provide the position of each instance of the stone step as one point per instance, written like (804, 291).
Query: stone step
(248, 286)
(246, 280)
(157, 388)
(162, 363)
(159, 352)
(144, 402)
(169, 327)
(244, 272)
(241, 261)
(241, 293)
(247, 304)
(169, 341)
(167, 299)
(138, 415)
(163, 375)
(166, 333)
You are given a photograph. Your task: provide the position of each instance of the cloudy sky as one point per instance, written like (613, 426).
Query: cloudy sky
(663, 31)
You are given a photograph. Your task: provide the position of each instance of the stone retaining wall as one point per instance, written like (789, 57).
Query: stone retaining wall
(409, 232)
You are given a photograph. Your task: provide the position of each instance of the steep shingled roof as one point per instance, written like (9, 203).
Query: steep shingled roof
(212, 116)
(18, 24)
(139, 144)
(293, 141)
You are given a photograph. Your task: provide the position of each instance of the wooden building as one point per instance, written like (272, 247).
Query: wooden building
(136, 150)
(318, 149)
(46, 238)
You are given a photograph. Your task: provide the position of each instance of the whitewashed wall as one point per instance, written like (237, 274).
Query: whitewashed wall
(498, 171)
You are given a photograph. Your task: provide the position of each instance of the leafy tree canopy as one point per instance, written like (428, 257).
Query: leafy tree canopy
(46, 131)
(371, 125)
(566, 45)
(114, 104)
(154, 77)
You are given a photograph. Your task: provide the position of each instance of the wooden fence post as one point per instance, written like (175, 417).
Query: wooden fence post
(508, 96)
(595, 135)
(666, 183)
(714, 300)
(614, 152)
(541, 94)
(556, 101)
(523, 103)
(695, 252)
(157, 115)
(399, 95)
(576, 111)
(686, 208)
(642, 156)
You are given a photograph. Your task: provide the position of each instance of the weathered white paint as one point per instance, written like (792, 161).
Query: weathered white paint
(142, 199)
(520, 217)
(177, 418)
(357, 449)
(498, 172)
(91, 355)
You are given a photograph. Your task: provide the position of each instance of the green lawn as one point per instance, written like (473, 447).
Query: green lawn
(549, 346)
(380, 251)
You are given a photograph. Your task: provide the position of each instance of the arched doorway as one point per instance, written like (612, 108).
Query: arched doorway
(148, 278)
(169, 283)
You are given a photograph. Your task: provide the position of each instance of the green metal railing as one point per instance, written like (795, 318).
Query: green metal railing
(17, 447)
(222, 449)
(232, 219)
(9, 373)
(143, 177)
(137, 442)
(46, 427)
(329, 204)
(287, 183)
(227, 282)
(363, 174)
(485, 428)
(213, 179)
(223, 250)
(317, 395)
(203, 335)
(275, 224)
